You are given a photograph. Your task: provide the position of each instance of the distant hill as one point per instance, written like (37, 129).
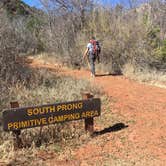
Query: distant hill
(15, 7)
(26, 23)
(18, 7)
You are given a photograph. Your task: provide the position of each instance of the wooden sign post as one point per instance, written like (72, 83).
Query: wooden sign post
(89, 122)
(16, 133)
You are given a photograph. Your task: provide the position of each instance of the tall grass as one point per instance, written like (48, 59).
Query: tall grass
(45, 89)
(145, 75)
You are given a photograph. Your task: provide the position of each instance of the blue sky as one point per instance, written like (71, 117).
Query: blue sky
(125, 3)
(36, 3)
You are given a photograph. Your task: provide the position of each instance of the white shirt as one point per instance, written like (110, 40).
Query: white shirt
(90, 47)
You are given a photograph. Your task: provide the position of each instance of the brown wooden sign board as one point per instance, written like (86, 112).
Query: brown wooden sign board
(29, 117)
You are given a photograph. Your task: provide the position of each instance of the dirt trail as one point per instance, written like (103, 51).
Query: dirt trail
(143, 107)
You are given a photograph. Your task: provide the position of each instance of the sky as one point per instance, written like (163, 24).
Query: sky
(37, 4)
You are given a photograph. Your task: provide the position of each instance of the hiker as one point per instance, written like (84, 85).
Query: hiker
(92, 53)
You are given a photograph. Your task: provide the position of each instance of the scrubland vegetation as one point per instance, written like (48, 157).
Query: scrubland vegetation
(134, 35)
(45, 89)
(133, 42)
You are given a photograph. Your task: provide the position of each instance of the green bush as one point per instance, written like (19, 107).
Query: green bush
(161, 51)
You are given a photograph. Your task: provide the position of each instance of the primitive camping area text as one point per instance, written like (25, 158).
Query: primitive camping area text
(29, 117)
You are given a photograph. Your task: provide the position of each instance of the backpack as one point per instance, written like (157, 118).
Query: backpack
(96, 46)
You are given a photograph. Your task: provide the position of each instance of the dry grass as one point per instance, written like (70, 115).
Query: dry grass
(49, 58)
(145, 75)
(59, 138)
(45, 58)
(56, 59)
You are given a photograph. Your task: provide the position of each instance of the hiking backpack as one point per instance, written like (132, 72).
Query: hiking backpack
(96, 46)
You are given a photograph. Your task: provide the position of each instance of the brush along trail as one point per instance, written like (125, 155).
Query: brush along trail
(139, 107)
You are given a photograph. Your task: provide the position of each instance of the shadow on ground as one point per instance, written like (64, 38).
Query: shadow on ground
(114, 74)
(114, 128)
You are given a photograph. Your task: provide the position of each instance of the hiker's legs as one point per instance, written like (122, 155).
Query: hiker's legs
(92, 64)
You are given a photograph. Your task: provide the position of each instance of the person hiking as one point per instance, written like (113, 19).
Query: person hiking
(92, 53)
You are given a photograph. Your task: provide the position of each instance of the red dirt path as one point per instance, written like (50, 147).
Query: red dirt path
(143, 142)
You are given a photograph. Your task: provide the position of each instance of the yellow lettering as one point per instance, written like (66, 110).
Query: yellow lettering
(65, 117)
(52, 108)
(36, 111)
(37, 121)
(46, 109)
(10, 125)
(89, 114)
(69, 107)
(41, 110)
(23, 124)
(50, 120)
(31, 122)
(56, 119)
(29, 112)
(15, 125)
(44, 122)
(64, 108)
(59, 107)
(71, 116)
(77, 115)
(80, 105)
(83, 115)
(59, 118)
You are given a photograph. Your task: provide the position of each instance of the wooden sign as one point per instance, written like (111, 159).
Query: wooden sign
(29, 117)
